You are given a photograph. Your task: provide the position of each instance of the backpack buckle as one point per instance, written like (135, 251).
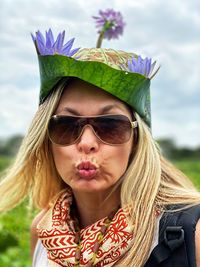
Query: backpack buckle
(174, 237)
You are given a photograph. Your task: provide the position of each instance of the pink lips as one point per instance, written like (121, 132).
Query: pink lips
(87, 169)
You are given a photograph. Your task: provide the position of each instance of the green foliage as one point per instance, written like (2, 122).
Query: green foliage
(4, 162)
(10, 146)
(7, 240)
(14, 257)
(191, 168)
(14, 229)
(171, 151)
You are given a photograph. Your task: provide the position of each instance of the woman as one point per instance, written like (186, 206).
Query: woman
(90, 163)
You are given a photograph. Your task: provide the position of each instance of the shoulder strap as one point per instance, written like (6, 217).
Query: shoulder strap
(176, 239)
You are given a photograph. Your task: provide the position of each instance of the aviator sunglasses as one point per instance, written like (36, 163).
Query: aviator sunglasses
(110, 129)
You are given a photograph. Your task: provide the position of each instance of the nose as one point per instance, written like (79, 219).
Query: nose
(88, 141)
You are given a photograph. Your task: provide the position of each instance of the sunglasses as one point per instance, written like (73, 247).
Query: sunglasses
(110, 129)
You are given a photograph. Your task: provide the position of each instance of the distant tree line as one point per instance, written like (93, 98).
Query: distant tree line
(10, 146)
(171, 151)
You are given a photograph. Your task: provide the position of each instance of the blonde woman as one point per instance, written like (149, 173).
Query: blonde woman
(90, 163)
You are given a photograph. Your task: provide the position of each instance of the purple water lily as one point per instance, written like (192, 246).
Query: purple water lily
(142, 66)
(51, 46)
(110, 25)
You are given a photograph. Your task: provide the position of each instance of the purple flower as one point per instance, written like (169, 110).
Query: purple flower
(110, 23)
(142, 66)
(51, 46)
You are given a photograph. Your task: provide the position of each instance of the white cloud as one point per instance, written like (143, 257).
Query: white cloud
(185, 133)
(17, 109)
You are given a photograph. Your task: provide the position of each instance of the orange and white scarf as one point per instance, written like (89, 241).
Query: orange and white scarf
(57, 233)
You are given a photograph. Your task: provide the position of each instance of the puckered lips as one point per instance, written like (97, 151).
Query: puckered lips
(87, 169)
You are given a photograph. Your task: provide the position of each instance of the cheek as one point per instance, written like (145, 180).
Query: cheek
(62, 159)
(118, 160)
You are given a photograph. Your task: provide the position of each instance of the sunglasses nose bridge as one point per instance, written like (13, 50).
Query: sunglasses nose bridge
(88, 139)
(85, 126)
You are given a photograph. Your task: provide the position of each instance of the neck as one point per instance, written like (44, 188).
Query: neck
(92, 207)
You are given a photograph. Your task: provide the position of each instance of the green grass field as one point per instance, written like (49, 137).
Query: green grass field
(14, 226)
(14, 232)
(191, 169)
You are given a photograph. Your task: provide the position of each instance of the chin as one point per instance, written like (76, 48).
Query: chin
(90, 186)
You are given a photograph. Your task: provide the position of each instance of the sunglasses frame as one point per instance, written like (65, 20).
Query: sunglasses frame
(133, 125)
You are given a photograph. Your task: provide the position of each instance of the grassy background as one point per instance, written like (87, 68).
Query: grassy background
(14, 232)
(14, 226)
(191, 168)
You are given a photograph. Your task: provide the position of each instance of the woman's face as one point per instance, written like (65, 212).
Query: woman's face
(106, 163)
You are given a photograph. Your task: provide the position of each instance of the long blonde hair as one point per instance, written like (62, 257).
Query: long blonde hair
(150, 182)
(33, 172)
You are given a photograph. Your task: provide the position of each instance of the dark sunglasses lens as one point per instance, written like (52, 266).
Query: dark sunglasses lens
(63, 130)
(114, 129)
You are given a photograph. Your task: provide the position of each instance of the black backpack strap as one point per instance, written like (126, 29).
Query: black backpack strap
(171, 251)
(176, 239)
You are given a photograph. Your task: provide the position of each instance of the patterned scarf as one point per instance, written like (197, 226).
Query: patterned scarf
(57, 233)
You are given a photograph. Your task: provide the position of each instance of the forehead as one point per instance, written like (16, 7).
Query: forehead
(81, 96)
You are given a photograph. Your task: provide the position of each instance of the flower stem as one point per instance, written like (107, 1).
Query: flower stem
(100, 39)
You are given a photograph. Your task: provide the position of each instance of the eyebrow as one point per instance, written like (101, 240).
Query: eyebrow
(102, 110)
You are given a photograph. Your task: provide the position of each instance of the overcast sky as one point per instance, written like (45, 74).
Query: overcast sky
(167, 31)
